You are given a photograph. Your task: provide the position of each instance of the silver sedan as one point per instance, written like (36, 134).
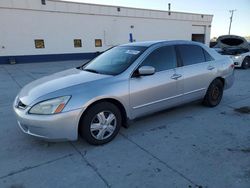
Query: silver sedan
(125, 82)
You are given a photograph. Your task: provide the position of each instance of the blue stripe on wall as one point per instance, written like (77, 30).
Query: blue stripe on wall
(48, 57)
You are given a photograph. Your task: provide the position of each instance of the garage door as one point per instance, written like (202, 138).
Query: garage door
(198, 33)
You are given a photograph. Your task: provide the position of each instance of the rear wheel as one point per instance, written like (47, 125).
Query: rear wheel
(214, 93)
(101, 123)
(246, 63)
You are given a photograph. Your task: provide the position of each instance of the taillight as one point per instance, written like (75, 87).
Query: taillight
(232, 66)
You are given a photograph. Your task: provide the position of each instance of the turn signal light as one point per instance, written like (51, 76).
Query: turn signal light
(59, 108)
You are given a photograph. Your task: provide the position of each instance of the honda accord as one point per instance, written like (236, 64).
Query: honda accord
(123, 83)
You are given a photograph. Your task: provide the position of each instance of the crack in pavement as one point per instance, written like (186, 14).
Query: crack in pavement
(161, 161)
(28, 74)
(35, 166)
(24, 72)
(12, 77)
(91, 165)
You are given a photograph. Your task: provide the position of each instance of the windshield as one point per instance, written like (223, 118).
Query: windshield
(115, 60)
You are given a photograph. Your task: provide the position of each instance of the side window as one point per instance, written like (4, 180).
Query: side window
(161, 59)
(208, 57)
(191, 54)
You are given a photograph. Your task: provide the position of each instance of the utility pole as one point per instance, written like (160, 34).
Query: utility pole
(231, 19)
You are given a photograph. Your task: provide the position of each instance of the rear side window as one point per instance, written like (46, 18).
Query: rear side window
(208, 57)
(161, 59)
(191, 54)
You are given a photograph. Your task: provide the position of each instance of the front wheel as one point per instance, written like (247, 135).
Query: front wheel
(214, 93)
(101, 123)
(246, 63)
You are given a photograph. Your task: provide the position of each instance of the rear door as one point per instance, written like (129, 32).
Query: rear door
(161, 90)
(198, 70)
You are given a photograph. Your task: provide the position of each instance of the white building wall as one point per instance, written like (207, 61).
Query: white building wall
(59, 23)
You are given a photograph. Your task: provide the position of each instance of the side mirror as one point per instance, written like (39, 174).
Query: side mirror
(146, 70)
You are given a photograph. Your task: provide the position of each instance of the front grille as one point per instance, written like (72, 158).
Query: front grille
(20, 105)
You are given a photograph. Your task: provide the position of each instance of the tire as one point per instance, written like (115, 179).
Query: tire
(101, 123)
(246, 63)
(214, 93)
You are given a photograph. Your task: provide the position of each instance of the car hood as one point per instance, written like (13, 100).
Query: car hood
(54, 82)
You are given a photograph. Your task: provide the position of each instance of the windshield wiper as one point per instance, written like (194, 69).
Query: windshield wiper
(81, 67)
(92, 70)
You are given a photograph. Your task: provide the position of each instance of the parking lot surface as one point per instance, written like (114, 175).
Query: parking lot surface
(188, 146)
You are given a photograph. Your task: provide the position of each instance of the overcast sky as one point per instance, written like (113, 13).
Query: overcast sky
(219, 8)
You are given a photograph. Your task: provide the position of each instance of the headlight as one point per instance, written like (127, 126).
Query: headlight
(52, 106)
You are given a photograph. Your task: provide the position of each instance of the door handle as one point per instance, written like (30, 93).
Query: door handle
(176, 76)
(210, 67)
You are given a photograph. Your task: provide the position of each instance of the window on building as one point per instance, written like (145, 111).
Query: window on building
(98, 43)
(39, 43)
(191, 54)
(43, 2)
(161, 59)
(77, 43)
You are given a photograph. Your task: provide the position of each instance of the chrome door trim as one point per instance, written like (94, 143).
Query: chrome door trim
(161, 100)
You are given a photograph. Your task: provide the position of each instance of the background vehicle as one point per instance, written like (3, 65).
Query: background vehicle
(236, 47)
(125, 82)
(240, 57)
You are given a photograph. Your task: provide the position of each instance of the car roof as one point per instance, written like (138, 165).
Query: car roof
(151, 43)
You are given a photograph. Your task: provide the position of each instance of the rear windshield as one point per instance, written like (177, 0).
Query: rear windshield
(115, 60)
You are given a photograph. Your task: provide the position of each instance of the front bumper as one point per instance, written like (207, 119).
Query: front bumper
(56, 127)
